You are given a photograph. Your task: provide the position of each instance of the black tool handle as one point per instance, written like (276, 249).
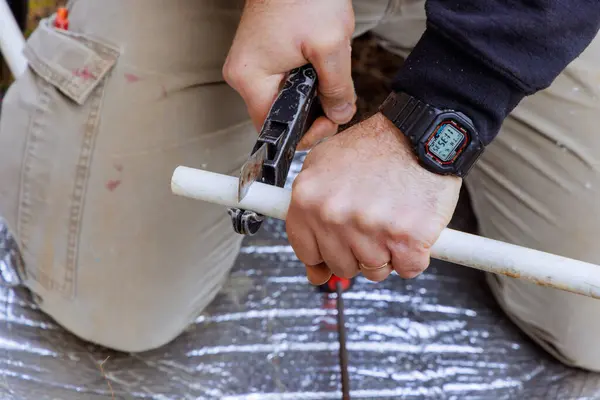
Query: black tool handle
(292, 114)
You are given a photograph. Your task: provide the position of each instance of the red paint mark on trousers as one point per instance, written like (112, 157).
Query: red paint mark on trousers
(84, 73)
(112, 185)
(131, 78)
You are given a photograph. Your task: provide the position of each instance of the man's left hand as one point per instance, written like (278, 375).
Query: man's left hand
(363, 204)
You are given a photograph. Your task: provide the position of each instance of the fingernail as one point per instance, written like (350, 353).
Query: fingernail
(342, 112)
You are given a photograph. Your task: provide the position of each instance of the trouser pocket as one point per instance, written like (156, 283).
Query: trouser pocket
(57, 104)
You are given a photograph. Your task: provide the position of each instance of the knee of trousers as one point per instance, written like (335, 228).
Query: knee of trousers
(537, 186)
(564, 324)
(136, 315)
(139, 293)
(88, 145)
(127, 329)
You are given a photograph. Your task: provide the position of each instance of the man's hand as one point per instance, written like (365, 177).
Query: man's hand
(362, 197)
(274, 37)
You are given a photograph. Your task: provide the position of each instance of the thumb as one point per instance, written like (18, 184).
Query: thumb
(320, 130)
(336, 88)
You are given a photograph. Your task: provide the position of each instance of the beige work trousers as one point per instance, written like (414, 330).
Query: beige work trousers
(91, 133)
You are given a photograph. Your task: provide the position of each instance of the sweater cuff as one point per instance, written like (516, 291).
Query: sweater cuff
(443, 75)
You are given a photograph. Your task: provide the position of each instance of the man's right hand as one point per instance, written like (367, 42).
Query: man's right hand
(276, 36)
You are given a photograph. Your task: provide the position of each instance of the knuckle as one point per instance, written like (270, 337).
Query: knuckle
(348, 23)
(425, 232)
(397, 232)
(305, 194)
(328, 45)
(416, 260)
(369, 220)
(337, 91)
(333, 42)
(418, 236)
(422, 247)
(348, 26)
(333, 212)
(233, 73)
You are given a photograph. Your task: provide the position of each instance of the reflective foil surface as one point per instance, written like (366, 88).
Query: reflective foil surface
(270, 335)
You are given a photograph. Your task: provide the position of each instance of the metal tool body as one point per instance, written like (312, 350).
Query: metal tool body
(343, 351)
(291, 115)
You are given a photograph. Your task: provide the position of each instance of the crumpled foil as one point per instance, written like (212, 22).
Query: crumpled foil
(270, 335)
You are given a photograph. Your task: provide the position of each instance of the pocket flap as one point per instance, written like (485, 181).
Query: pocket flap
(71, 62)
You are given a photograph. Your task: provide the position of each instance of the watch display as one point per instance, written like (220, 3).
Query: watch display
(447, 142)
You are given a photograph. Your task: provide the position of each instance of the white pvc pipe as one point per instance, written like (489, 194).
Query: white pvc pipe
(12, 41)
(453, 246)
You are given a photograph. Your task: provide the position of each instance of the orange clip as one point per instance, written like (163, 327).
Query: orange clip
(62, 18)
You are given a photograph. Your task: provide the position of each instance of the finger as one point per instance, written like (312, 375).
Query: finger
(304, 243)
(409, 262)
(372, 254)
(337, 254)
(259, 98)
(318, 274)
(376, 273)
(258, 90)
(302, 240)
(333, 64)
(321, 129)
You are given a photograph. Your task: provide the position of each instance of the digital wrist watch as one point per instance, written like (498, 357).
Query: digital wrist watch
(445, 141)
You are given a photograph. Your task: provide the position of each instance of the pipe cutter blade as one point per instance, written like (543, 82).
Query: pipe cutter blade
(252, 171)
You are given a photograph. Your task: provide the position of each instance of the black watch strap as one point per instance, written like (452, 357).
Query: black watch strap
(445, 141)
(410, 115)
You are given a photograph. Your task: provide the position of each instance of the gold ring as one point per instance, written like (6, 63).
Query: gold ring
(365, 268)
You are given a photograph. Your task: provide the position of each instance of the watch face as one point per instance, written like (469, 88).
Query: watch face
(447, 142)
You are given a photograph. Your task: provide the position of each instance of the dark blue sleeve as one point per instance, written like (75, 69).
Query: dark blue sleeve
(483, 56)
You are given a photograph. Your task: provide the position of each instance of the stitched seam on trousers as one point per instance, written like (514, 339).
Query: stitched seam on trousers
(80, 184)
(24, 212)
(61, 82)
(108, 54)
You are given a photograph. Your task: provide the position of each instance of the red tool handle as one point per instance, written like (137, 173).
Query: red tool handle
(331, 285)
